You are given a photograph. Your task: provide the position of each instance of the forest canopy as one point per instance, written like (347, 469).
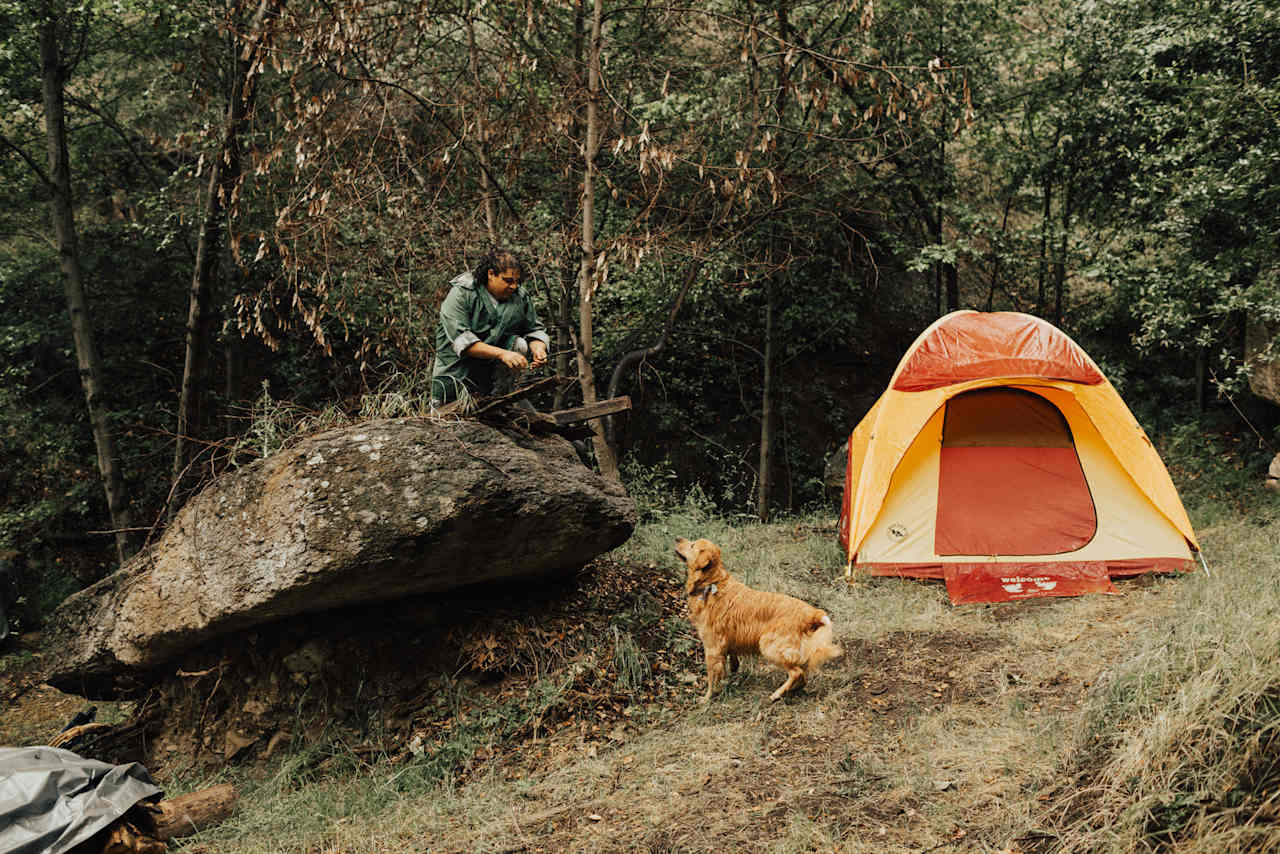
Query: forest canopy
(226, 220)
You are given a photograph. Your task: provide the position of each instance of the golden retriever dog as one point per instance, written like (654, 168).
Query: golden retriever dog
(732, 619)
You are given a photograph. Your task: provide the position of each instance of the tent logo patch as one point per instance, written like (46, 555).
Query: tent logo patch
(897, 531)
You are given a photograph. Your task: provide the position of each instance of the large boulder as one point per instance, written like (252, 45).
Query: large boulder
(351, 516)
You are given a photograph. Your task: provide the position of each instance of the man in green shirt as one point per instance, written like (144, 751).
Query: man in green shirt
(487, 327)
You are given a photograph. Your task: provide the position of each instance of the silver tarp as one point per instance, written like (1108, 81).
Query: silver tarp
(52, 799)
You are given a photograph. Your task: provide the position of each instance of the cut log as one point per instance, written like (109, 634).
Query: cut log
(186, 814)
(594, 410)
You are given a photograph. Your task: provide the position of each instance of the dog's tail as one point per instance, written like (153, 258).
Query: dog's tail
(820, 645)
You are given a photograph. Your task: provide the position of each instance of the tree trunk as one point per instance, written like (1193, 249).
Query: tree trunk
(766, 411)
(1045, 225)
(224, 175)
(88, 363)
(565, 344)
(482, 150)
(564, 327)
(995, 252)
(1060, 262)
(586, 274)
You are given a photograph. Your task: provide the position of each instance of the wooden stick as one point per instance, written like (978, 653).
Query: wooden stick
(523, 391)
(69, 735)
(594, 410)
(483, 404)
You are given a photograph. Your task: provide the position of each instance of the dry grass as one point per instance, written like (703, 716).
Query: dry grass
(1180, 746)
(960, 729)
(1142, 722)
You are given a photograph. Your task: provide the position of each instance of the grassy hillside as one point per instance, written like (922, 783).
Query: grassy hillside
(1143, 721)
(1136, 722)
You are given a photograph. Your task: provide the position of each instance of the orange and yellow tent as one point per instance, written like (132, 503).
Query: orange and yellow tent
(1002, 460)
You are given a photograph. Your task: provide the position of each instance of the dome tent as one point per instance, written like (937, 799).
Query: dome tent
(1002, 460)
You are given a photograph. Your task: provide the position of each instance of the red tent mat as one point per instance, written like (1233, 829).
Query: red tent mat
(982, 577)
(1006, 582)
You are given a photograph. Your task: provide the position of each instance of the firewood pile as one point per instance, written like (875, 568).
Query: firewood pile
(146, 828)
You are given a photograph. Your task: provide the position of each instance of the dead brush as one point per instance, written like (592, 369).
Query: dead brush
(1177, 748)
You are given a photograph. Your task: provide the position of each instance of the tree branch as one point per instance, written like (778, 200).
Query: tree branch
(35, 167)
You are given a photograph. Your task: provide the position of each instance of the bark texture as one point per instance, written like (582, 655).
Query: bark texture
(351, 516)
(87, 359)
(194, 811)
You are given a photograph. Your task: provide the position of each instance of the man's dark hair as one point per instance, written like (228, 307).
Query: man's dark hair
(498, 259)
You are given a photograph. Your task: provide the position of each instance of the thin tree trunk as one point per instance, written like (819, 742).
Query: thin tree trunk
(1045, 225)
(64, 227)
(482, 151)
(995, 262)
(766, 411)
(565, 344)
(586, 274)
(1060, 262)
(564, 321)
(224, 174)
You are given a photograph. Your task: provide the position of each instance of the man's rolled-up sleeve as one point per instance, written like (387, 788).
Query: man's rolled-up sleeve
(456, 321)
(463, 341)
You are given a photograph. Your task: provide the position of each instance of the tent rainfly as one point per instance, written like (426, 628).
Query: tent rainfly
(1001, 460)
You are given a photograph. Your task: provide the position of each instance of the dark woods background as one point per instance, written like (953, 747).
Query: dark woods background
(227, 221)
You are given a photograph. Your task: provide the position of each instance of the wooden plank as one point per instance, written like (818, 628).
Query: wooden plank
(595, 410)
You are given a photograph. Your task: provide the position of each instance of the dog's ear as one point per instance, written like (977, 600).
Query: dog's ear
(705, 554)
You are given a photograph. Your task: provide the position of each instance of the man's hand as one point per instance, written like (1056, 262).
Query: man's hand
(513, 360)
(538, 350)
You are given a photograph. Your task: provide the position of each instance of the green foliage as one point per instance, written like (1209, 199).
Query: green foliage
(1181, 120)
(822, 161)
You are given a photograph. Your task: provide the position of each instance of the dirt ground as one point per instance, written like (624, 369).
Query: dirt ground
(913, 741)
